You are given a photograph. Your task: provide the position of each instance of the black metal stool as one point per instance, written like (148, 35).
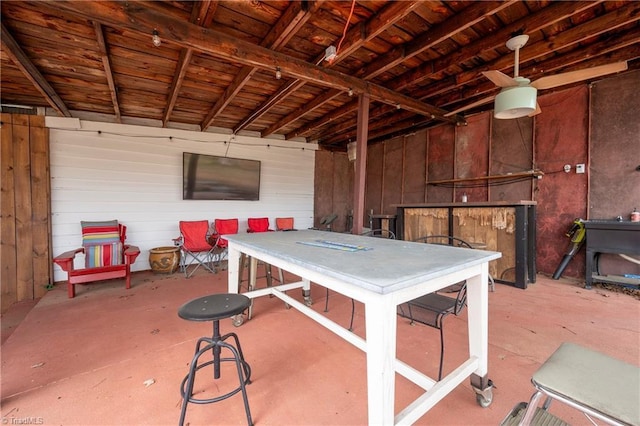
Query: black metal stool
(214, 308)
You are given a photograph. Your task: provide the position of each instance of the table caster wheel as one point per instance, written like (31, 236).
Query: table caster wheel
(237, 320)
(308, 301)
(287, 306)
(485, 400)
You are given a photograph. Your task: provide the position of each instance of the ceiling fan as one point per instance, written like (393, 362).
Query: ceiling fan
(518, 95)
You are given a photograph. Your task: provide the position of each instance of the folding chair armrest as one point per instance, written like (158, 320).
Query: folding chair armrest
(130, 254)
(65, 260)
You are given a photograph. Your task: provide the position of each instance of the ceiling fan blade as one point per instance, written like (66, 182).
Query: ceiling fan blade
(471, 105)
(500, 79)
(552, 81)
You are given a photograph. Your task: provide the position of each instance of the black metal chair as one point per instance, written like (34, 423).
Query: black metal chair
(431, 309)
(214, 308)
(456, 242)
(378, 233)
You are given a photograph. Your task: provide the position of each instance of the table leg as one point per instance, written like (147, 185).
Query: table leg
(233, 270)
(380, 317)
(478, 325)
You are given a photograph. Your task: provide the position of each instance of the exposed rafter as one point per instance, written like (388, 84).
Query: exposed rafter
(295, 16)
(137, 18)
(106, 63)
(31, 72)
(357, 36)
(202, 15)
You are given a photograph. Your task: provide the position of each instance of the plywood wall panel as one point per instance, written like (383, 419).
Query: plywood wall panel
(323, 186)
(615, 156)
(472, 157)
(342, 190)
(561, 133)
(393, 175)
(441, 157)
(415, 151)
(374, 181)
(511, 151)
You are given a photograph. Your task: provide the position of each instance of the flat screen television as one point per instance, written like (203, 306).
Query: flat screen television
(209, 177)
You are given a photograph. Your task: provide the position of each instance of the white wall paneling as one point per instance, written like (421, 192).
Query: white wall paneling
(103, 171)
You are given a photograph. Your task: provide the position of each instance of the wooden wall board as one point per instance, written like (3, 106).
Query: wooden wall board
(41, 206)
(8, 265)
(423, 223)
(22, 186)
(26, 215)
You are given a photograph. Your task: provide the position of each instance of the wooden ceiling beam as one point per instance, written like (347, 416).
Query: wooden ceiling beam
(624, 15)
(527, 25)
(22, 61)
(296, 15)
(203, 16)
(106, 63)
(469, 16)
(355, 38)
(619, 17)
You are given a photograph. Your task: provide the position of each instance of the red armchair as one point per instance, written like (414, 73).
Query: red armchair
(106, 255)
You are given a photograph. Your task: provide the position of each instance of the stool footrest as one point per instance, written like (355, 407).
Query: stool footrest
(541, 417)
(216, 398)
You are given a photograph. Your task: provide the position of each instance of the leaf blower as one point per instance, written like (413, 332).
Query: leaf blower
(577, 234)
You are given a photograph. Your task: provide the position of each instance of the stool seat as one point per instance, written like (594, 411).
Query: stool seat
(214, 307)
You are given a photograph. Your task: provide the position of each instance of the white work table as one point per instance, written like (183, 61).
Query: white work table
(384, 275)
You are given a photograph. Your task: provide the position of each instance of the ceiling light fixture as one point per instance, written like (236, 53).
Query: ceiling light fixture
(350, 91)
(330, 53)
(278, 73)
(156, 38)
(515, 102)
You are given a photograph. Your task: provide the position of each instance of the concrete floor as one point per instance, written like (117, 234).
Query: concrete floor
(115, 356)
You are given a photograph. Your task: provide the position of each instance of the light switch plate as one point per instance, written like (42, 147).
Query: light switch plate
(579, 168)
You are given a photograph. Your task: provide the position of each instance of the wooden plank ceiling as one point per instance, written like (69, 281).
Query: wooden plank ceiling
(219, 61)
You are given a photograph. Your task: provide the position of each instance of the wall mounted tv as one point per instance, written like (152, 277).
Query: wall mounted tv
(209, 177)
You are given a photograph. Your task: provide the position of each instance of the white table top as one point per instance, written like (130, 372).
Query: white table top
(386, 266)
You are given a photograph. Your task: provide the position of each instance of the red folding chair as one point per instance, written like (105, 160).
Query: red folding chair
(222, 227)
(258, 224)
(284, 224)
(195, 248)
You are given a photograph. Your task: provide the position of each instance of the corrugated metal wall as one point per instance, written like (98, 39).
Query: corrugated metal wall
(102, 171)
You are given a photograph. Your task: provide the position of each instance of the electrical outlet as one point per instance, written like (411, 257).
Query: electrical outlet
(579, 168)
